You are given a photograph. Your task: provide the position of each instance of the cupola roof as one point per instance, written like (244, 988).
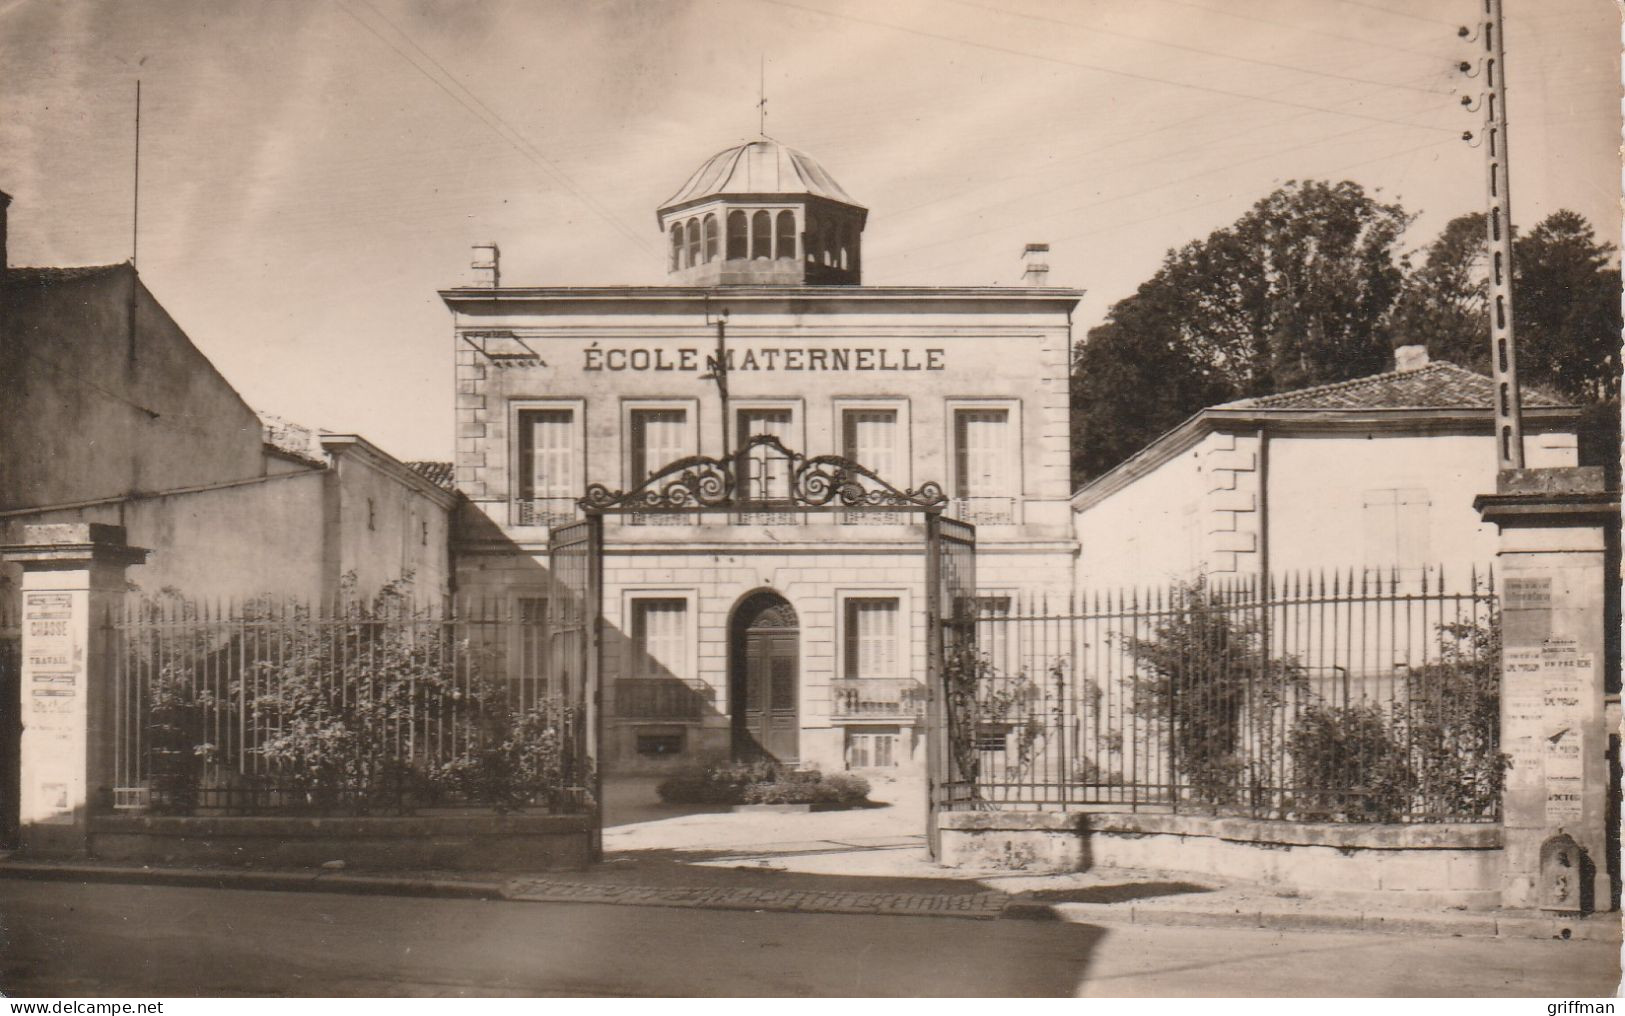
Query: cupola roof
(763, 166)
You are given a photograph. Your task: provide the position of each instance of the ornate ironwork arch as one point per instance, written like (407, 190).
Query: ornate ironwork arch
(703, 483)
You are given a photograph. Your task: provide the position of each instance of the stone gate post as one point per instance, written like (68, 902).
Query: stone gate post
(1558, 600)
(73, 575)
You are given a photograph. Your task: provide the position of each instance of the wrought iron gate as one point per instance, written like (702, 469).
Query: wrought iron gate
(575, 555)
(950, 643)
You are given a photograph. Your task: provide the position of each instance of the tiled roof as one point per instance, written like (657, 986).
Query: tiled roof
(438, 473)
(42, 276)
(1439, 385)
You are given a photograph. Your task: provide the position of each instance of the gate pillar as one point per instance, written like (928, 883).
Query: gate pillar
(1559, 679)
(73, 578)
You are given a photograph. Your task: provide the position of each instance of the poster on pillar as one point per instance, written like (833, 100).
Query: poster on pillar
(1543, 723)
(53, 706)
(1565, 674)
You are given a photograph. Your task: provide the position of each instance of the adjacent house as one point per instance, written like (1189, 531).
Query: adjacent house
(1375, 473)
(109, 413)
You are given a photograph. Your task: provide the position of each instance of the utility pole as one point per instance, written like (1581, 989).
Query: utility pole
(1503, 347)
(719, 374)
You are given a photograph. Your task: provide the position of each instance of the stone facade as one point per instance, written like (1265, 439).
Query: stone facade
(561, 388)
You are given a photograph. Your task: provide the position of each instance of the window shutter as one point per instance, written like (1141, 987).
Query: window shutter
(640, 449)
(853, 664)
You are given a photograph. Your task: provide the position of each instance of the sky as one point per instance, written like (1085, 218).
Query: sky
(312, 173)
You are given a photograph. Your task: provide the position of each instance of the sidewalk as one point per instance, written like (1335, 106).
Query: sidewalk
(870, 861)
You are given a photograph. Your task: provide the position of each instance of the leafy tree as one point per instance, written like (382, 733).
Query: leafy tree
(1566, 304)
(1133, 380)
(1567, 309)
(1566, 314)
(1296, 292)
(1310, 287)
(1443, 306)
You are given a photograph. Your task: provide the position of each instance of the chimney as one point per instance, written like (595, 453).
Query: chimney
(1413, 357)
(1035, 265)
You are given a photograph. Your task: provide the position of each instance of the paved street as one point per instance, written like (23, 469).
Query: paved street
(61, 938)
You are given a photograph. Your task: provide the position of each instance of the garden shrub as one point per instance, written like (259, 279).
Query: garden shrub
(1348, 767)
(761, 783)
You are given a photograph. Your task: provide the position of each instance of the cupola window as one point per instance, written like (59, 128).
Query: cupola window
(738, 236)
(787, 235)
(710, 238)
(761, 235)
(693, 242)
(676, 246)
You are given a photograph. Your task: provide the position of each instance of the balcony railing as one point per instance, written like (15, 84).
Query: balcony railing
(544, 511)
(876, 698)
(662, 698)
(985, 511)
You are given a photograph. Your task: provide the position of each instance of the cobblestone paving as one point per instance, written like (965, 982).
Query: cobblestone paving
(977, 906)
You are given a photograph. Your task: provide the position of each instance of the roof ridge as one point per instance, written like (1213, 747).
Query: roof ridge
(1353, 382)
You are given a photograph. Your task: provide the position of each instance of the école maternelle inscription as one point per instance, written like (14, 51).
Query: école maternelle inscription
(763, 358)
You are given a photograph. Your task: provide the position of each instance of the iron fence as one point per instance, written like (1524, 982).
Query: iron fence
(11, 723)
(1334, 697)
(383, 707)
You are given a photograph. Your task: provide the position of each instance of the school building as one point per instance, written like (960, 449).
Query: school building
(767, 433)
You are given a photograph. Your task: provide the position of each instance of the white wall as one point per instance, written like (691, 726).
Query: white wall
(1317, 487)
(1146, 533)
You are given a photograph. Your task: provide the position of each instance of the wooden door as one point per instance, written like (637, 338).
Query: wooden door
(768, 723)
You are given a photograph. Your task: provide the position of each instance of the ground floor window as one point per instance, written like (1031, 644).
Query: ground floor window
(659, 742)
(660, 638)
(529, 679)
(874, 747)
(871, 637)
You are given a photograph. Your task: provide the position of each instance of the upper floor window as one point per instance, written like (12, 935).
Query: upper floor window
(547, 453)
(869, 437)
(658, 438)
(982, 453)
(767, 471)
(738, 236)
(786, 241)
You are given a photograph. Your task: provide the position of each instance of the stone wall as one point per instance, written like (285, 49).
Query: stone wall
(1420, 865)
(458, 842)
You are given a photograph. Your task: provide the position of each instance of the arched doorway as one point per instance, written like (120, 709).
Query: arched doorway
(765, 678)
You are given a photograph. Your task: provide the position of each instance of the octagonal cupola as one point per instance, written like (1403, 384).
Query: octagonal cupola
(763, 214)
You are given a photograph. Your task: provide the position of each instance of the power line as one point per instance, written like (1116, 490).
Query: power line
(1122, 166)
(1293, 28)
(1263, 156)
(1400, 14)
(493, 120)
(1096, 67)
(1188, 208)
(1096, 29)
